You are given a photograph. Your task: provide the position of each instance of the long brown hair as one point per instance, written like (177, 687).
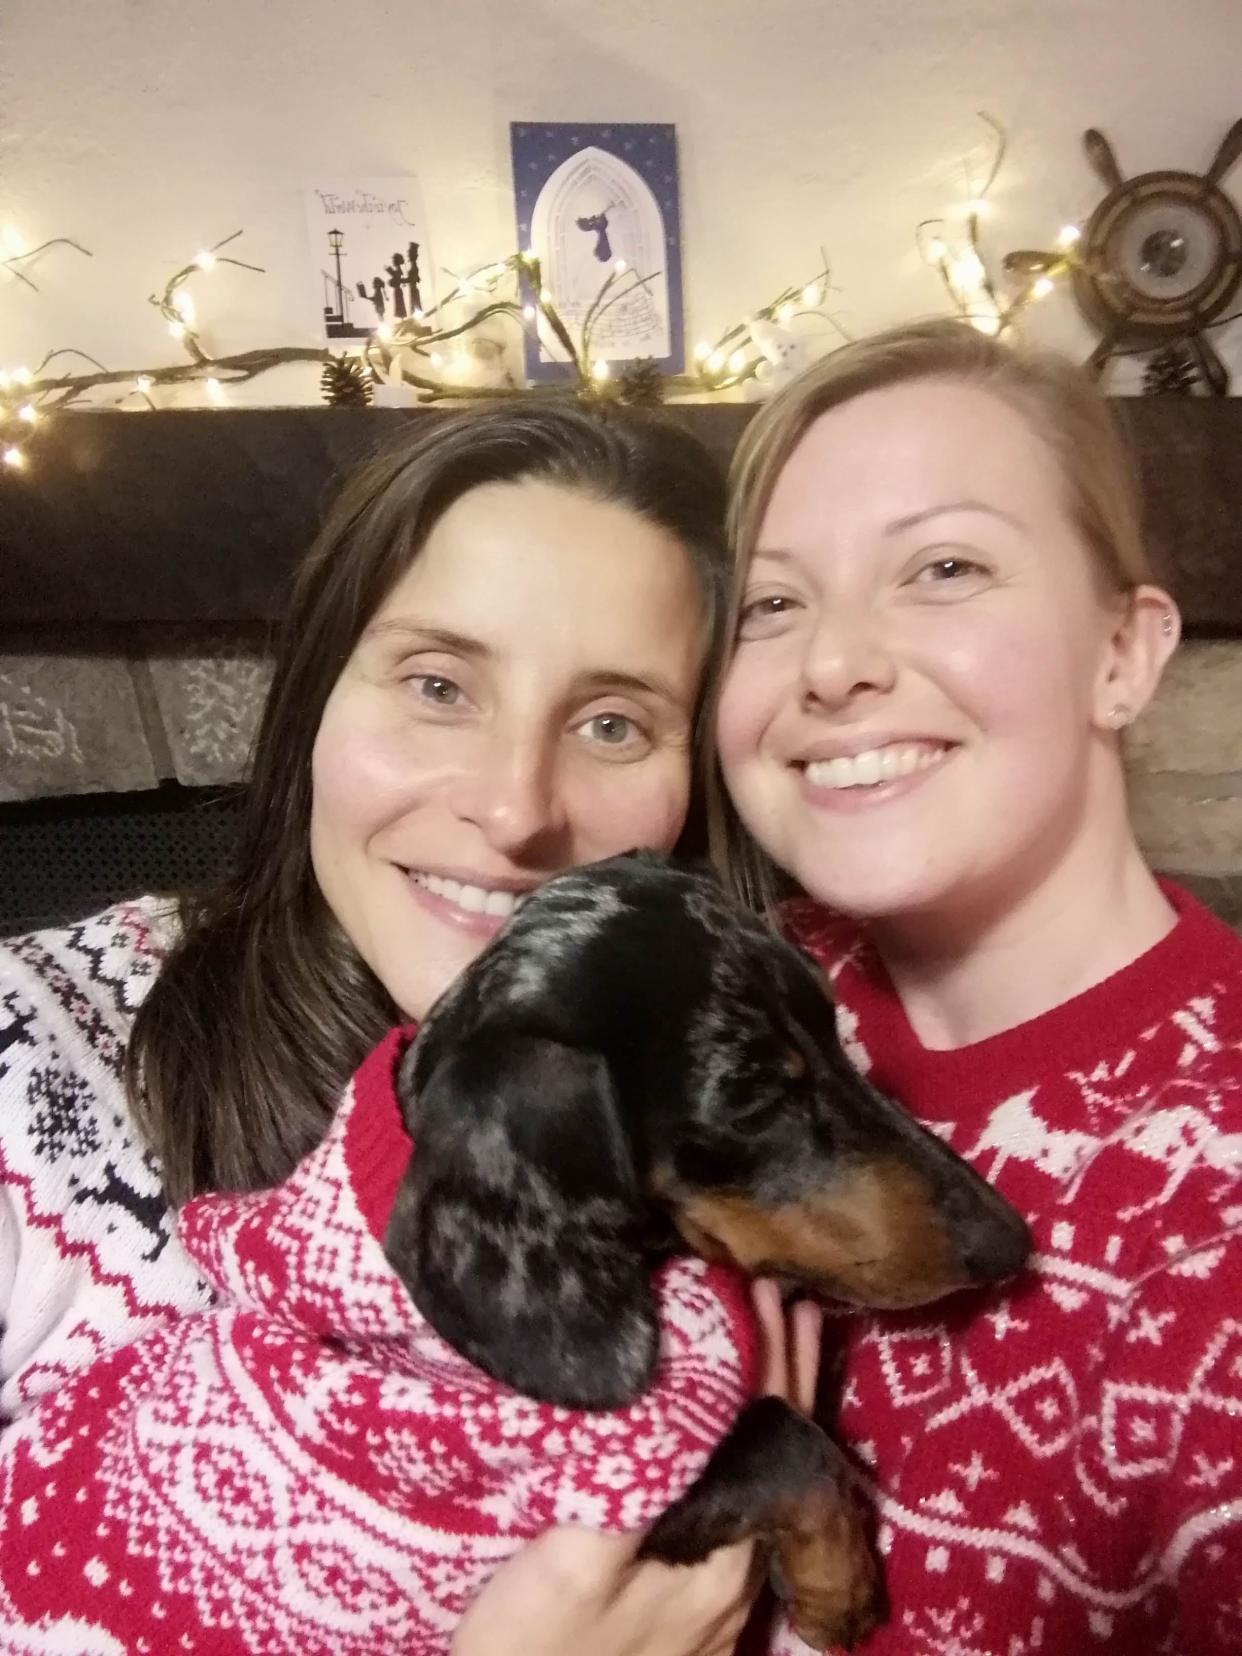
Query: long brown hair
(1059, 401)
(264, 1008)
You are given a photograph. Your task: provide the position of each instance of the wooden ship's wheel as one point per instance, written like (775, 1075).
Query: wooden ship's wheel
(1160, 259)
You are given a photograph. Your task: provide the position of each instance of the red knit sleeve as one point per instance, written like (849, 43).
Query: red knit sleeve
(1169, 1442)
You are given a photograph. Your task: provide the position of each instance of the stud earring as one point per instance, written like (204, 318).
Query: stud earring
(1166, 624)
(1119, 715)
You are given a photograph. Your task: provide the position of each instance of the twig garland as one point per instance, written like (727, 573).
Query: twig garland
(14, 259)
(964, 272)
(402, 351)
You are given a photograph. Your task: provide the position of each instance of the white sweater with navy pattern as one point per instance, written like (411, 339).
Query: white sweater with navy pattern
(88, 1255)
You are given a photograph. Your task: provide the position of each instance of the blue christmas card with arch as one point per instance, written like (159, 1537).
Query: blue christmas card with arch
(597, 201)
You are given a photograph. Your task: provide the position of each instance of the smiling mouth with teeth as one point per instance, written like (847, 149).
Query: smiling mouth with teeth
(472, 899)
(875, 766)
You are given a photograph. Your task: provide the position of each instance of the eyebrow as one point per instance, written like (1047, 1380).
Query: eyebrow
(604, 679)
(596, 681)
(780, 554)
(913, 520)
(432, 638)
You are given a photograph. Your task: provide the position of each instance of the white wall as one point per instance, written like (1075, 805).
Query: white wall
(147, 128)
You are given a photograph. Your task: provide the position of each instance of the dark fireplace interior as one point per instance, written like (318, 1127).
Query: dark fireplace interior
(60, 858)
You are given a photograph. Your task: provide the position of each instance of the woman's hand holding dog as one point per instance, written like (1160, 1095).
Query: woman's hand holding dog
(573, 1590)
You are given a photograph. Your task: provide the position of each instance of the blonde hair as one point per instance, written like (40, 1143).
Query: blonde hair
(1059, 401)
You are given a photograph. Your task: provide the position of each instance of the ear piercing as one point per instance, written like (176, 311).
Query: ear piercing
(1166, 623)
(1119, 715)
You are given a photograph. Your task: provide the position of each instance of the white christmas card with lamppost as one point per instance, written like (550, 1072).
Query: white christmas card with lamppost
(369, 255)
(598, 206)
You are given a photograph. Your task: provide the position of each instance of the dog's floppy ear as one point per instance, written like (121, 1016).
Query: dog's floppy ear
(518, 1226)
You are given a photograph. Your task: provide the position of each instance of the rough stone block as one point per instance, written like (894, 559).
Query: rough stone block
(1189, 824)
(69, 724)
(210, 702)
(1195, 722)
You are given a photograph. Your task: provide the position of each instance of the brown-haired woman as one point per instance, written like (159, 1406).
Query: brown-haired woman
(496, 665)
(946, 619)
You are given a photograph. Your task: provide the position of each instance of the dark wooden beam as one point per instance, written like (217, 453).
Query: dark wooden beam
(198, 517)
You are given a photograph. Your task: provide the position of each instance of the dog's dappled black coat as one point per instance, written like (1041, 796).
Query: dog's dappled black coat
(635, 1060)
(634, 1064)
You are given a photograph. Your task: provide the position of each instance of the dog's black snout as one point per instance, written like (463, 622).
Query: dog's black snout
(994, 1246)
(995, 1249)
(990, 1238)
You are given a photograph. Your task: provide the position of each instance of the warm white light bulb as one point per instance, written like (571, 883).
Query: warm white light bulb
(985, 324)
(978, 206)
(702, 351)
(22, 376)
(810, 294)
(785, 313)
(737, 362)
(437, 361)
(529, 312)
(15, 458)
(600, 369)
(183, 304)
(1041, 287)
(620, 267)
(28, 412)
(215, 391)
(204, 259)
(545, 296)
(14, 241)
(715, 361)
(968, 271)
(418, 316)
(384, 332)
(1070, 233)
(143, 383)
(936, 250)
(177, 329)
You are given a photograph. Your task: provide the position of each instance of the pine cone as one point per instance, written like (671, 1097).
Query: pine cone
(1172, 372)
(345, 383)
(642, 384)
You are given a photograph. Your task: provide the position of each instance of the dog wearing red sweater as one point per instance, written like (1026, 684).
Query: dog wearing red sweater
(504, 1293)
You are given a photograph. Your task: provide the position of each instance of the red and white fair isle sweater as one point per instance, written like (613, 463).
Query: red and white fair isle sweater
(307, 1467)
(1057, 1467)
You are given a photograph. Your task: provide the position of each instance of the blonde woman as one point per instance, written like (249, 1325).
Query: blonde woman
(946, 622)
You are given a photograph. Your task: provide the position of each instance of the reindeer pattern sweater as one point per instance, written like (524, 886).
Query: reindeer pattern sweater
(88, 1258)
(1056, 1466)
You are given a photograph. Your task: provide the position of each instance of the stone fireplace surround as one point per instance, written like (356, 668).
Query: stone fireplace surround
(144, 559)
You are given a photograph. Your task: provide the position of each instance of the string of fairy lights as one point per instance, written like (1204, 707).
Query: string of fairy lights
(421, 351)
(426, 351)
(963, 270)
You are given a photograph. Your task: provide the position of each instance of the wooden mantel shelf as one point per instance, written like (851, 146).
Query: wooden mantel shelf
(197, 518)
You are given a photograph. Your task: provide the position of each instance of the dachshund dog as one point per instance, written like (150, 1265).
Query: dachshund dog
(635, 1065)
